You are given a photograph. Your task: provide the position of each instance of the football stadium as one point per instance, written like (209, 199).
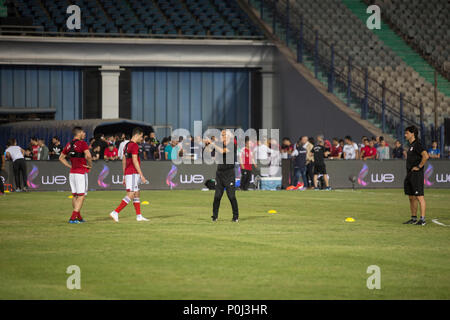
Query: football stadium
(225, 150)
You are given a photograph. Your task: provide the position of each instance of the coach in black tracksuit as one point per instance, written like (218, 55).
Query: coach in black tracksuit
(416, 159)
(225, 176)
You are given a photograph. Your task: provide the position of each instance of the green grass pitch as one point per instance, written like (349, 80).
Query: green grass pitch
(305, 251)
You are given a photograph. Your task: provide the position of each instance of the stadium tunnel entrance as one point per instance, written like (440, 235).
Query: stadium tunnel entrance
(47, 129)
(121, 126)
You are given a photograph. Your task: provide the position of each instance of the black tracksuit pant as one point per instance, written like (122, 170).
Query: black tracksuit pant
(20, 171)
(225, 179)
(246, 176)
(2, 186)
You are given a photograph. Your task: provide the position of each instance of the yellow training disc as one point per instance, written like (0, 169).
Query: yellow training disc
(70, 197)
(272, 211)
(6, 191)
(349, 220)
(145, 202)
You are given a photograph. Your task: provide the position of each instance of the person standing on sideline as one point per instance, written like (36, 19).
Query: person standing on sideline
(416, 158)
(246, 165)
(2, 168)
(309, 145)
(132, 176)
(320, 153)
(299, 156)
(81, 162)
(16, 155)
(225, 176)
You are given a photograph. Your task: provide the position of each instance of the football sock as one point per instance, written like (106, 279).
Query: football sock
(74, 215)
(123, 204)
(422, 218)
(79, 215)
(137, 205)
(414, 217)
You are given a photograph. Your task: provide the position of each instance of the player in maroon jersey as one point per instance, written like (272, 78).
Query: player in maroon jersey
(81, 162)
(132, 176)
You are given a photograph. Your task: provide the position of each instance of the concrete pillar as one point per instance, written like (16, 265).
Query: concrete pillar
(110, 91)
(267, 78)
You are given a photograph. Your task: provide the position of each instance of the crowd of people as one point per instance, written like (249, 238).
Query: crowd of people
(348, 149)
(110, 148)
(268, 151)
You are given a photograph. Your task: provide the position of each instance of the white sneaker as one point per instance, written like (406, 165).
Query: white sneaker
(139, 217)
(115, 216)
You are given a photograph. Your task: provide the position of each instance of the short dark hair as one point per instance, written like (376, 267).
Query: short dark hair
(56, 138)
(11, 142)
(413, 130)
(348, 138)
(76, 130)
(335, 139)
(137, 130)
(34, 138)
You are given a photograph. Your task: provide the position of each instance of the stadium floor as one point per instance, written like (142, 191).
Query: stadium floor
(304, 251)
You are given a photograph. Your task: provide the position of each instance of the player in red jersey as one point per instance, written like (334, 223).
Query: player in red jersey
(81, 162)
(132, 176)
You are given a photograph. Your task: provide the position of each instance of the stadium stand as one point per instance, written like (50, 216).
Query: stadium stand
(425, 25)
(336, 24)
(212, 18)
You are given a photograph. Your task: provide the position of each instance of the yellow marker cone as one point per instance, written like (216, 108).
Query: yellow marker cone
(145, 202)
(6, 191)
(70, 197)
(349, 219)
(272, 211)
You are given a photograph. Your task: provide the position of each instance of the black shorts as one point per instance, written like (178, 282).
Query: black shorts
(413, 184)
(225, 178)
(320, 168)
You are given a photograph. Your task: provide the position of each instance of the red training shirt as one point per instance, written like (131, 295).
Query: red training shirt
(132, 148)
(77, 163)
(367, 151)
(35, 150)
(247, 159)
(111, 153)
(335, 151)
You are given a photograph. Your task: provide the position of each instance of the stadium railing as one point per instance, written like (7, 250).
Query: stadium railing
(337, 72)
(7, 30)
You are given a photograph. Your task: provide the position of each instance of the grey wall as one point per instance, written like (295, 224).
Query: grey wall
(303, 110)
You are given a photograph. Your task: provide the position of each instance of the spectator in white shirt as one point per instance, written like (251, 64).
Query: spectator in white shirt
(262, 152)
(275, 159)
(15, 154)
(122, 146)
(350, 149)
